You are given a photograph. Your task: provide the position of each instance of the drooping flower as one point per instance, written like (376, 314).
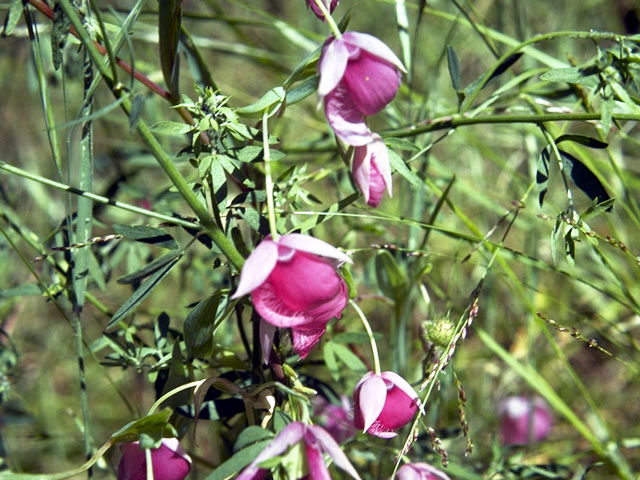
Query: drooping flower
(330, 4)
(359, 76)
(316, 441)
(170, 462)
(524, 420)
(383, 403)
(371, 170)
(294, 284)
(336, 419)
(420, 471)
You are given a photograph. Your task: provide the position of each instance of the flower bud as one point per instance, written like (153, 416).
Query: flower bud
(439, 332)
(330, 6)
(523, 420)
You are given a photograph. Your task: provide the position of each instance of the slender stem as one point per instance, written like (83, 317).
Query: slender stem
(330, 21)
(374, 349)
(271, 212)
(453, 121)
(149, 462)
(171, 393)
(97, 198)
(556, 153)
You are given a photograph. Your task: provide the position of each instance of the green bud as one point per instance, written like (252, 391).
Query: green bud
(439, 332)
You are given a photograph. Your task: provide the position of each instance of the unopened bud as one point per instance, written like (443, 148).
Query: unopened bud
(439, 332)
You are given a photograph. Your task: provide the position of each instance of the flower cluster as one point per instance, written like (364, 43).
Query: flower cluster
(359, 76)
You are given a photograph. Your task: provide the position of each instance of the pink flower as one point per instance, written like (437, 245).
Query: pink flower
(371, 170)
(336, 419)
(523, 420)
(316, 441)
(294, 284)
(383, 403)
(420, 471)
(170, 462)
(359, 75)
(332, 6)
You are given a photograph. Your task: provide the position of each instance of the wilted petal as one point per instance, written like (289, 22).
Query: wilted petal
(345, 118)
(331, 66)
(374, 46)
(371, 399)
(266, 331)
(257, 267)
(288, 436)
(305, 243)
(372, 82)
(380, 156)
(305, 339)
(329, 445)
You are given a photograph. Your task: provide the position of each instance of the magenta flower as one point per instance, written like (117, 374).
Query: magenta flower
(170, 462)
(294, 284)
(336, 419)
(330, 6)
(383, 403)
(316, 441)
(371, 170)
(359, 76)
(420, 471)
(523, 420)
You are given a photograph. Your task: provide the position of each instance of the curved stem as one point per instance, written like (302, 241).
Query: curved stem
(374, 349)
(271, 212)
(171, 393)
(330, 21)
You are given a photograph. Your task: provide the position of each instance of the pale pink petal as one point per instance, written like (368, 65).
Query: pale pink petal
(361, 169)
(329, 445)
(305, 339)
(266, 332)
(315, 461)
(273, 310)
(400, 383)
(288, 436)
(407, 472)
(257, 267)
(345, 118)
(381, 157)
(372, 397)
(331, 66)
(374, 46)
(420, 471)
(372, 83)
(305, 243)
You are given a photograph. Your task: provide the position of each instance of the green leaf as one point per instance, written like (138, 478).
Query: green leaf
(198, 327)
(59, 34)
(142, 292)
(273, 98)
(152, 425)
(584, 178)
(578, 75)
(301, 91)
(582, 140)
(150, 268)
(504, 66)
(330, 359)
(12, 18)
(390, 278)
(250, 435)
(401, 144)
(454, 68)
(542, 174)
(401, 167)
(597, 208)
(21, 291)
(146, 234)
(349, 358)
(170, 128)
(606, 113)
(354, 337)
(169, 22)
(238, 461)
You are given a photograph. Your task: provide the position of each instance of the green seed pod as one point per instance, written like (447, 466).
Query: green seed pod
(439, 332)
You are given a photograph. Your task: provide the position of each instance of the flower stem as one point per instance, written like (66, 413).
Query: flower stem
(330, 21)
(374, 349)
(271, 212)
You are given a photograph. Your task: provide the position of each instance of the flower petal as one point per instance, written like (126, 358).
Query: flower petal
(380, 155)
(361, 169)
(273, 310)
(288, 436)
(306, 243)
(345, 118)
(257, 267)
(373, 394)
(401, 383)
(329, 445)
(374, 46)
(305, 339)
(332, 65)
(315, 461)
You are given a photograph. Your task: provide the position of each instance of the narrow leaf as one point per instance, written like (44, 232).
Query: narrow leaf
(401, 167)
(275, 96)
(504, 66)
(11, 20)
(584, 178)
(579, 75)
(150, 268)
(141, 293)
(454, 68)
(198, 327)
(542, 174)
(170, 128)
(169, 22)
(582, 140)
(146, 234)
